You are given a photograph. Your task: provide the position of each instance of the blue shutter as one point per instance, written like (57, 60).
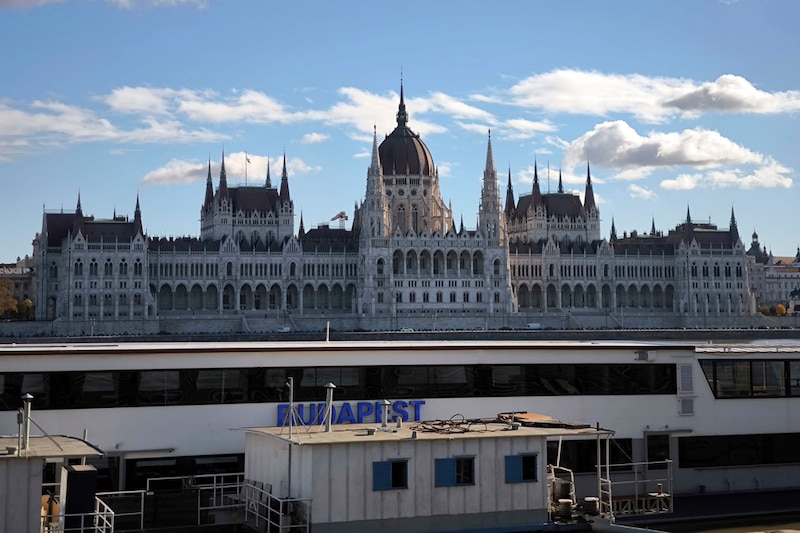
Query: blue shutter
(513, 468)
(381, 475)
(445, 472)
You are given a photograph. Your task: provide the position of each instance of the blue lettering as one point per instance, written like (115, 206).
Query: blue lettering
(352, 413)
(416, 404)
(364, 409)
(346, 414)
(400, 410)
(282, 410)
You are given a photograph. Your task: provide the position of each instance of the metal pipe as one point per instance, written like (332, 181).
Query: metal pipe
(26, 422)
(328, 405)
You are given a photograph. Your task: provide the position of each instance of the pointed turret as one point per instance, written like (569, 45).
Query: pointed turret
(537, 193)
(284, 192)
(461, 227)
(489, 156)
(613, 237)
(734, 229)
(302, 231)
(77, 224)
(653, 226)
(375, 163)
(560, 183)
(688, 216)
(223, 180)
(268, 182)
(588, 197)
(137, 218)
(209, 188)
(402, 115)
(491, 222)
(510, 202)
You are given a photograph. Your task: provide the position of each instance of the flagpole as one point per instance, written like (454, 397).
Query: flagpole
(246, 160)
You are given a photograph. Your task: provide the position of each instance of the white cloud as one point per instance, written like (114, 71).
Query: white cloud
(181, 171)
(55, 123)
(641, 193)
(595, 93)
(769, 175)
(617, 145)
(176, 171)
(650, 99)
(734, 94)
(312, 138)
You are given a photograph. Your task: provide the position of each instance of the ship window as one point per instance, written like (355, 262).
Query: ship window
(581, 455)
(388, 475)
(657, 451)
(159, 387)
(522, 468)
(454, 471)
(738, 450)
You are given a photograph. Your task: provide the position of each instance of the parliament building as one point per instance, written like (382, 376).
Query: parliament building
(404, 263)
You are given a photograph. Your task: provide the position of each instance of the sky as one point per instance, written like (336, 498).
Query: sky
(676, 105)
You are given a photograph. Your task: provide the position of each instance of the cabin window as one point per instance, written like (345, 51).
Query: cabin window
(454, 471)
(390, 475)
(522, 468)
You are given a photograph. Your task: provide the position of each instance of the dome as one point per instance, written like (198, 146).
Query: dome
(402, 151)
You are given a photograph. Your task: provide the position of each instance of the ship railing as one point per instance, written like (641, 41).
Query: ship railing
(101, 520)
(128, 516)
(638, 488)
(266, 512)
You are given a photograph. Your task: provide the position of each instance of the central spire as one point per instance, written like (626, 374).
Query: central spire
(402, 115)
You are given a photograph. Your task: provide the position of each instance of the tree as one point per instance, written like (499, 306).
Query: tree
(764, 310)
(8, 304)
(26, 309)
(780, 310)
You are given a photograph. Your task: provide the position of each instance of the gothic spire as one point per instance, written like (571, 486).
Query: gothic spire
(653, 226)
(489, 156)
(209, 188)
(588, 197)
(613, 231)
(77, 224)
(734, 229)
(402, 115)
(375, 163)
(510, 203)
(560, 183)
(284, 192)
(688, 215)
(137, 217)
(537, 193)
(268, 182)
(301, 232)
(223, 180)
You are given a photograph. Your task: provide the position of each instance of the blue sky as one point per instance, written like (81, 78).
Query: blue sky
(675, 103)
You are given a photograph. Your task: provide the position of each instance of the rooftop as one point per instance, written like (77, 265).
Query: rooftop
(531, 425)
(41, 446)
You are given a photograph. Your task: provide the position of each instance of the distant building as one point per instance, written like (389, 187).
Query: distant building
(405, 262)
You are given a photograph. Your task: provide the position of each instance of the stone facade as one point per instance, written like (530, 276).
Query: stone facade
(404, 262)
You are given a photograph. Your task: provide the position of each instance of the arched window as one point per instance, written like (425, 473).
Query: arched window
(78, 267)
(123, 268)
(381, 265)
(137, 268)
(53, 270)
(108, 268)
(93, 268)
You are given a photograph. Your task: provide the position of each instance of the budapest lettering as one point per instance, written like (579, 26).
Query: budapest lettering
(351, 413)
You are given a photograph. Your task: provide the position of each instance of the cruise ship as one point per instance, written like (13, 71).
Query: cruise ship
(717, 418)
